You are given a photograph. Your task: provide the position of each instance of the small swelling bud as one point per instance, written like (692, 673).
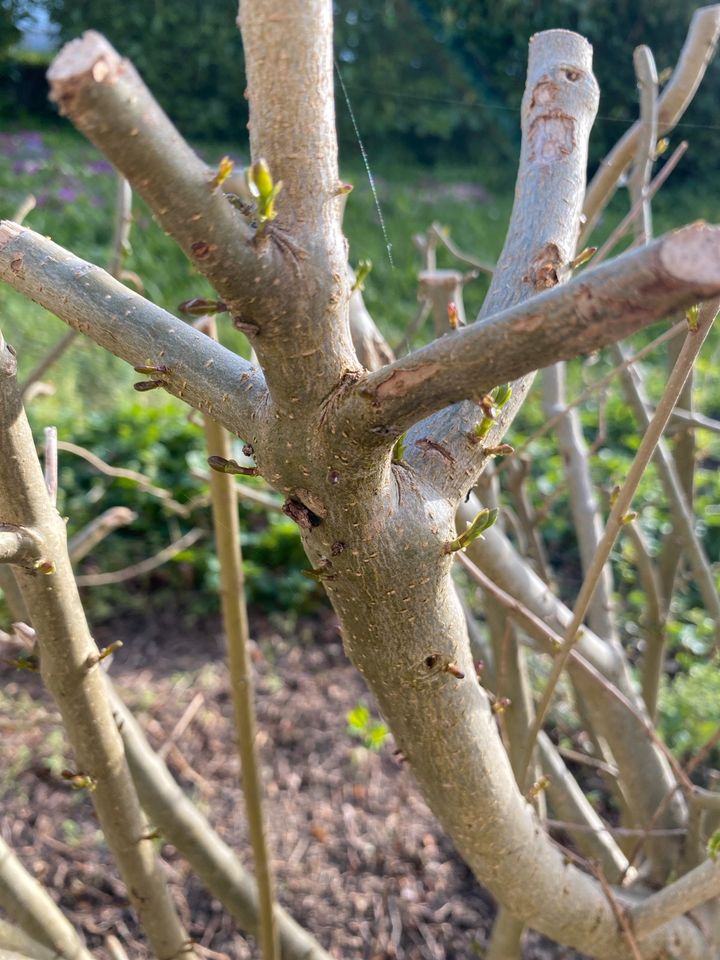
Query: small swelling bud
(537, 788)
(398, 450)
(225, 168)
(361, 274)
(583, 257)
(221, 465)
(482, 522)
(143, 386)
(79, 781)
(260, 184)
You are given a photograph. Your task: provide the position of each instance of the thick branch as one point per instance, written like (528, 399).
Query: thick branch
(18, 545)
(558, 109)
(27, 903)
(685, 894)
(595, 309)
(646, 775)
(695, 56)
(289, 66)
(68, 663)
(190, 365)
(106, 99)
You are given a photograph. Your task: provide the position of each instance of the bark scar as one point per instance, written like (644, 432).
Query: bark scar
(551, 137)
(401, 382)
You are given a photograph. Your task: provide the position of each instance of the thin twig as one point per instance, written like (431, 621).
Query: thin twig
(444, 237)
(182, 510)
(144, 566)
(637, 208)
(26, 207)
(237, 632)
(95, 532)
(51, 463)
(181, 726)
(617, 831)
(654, 618)
(619, 911)
(646, 74)
(554, 642)
(600, 384)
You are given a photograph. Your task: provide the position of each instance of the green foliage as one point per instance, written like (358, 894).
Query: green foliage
(9, 31)
(361, 725)
(158, 440)
(713, 845)
(689, 705)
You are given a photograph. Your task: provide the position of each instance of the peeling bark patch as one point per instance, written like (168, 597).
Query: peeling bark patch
(401, 382)
(551, 137)
(201, 249)
(544, 93)
(302, 515)
(8, 232)
(425, 444)
(543, 270)
(529, 324)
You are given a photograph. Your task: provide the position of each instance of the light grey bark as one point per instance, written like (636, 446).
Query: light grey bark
(26, 903)
(647, 777)
(570, 804)
(593, 310)
(13, 938)
(587, 522)
(377, 531)
(190, 366)
(69, 667)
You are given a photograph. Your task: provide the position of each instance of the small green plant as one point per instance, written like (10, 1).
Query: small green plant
(362, 726)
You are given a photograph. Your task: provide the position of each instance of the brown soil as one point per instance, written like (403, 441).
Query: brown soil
(359, 859)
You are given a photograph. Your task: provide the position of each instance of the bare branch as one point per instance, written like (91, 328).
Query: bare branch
(182, 510)
(695, 56)
(95, 532)
(290, 90)
(14, 938)
(107, 101)
(647, 141)
(50, 454)
(67, 653)
(592, 837)
(587, 522)
(123, 222)
(558, 109)
(682, 896)
(636, 209)
(370, 346)
(620, 508)
(191, 366)
(647, 778)
(19, 545)
(180, 821)
(593, 310)
(144, 566)
(26, 902)
(226, 523)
